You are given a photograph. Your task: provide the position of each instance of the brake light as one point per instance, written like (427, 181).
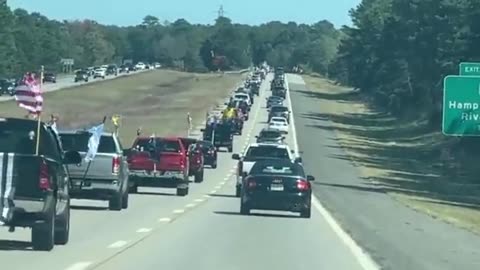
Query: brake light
(115, 165)
(44, 177)
(182, 163)
(303, 185)
(251, 183)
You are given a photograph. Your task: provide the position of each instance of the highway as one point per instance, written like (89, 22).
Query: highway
(200, 231)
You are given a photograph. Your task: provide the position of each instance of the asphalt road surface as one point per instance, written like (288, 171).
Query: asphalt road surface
(200, 231)
(67, 81)
(395, 236)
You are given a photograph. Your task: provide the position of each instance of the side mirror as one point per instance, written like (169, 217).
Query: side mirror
(298, 160)
(72, 157)
(202, 130)
(310, 178)
(283, 138)
(236, 156)
(126, 152)
(256, 137)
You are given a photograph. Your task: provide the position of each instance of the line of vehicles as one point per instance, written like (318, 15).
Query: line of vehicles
(269, 174)
(83, 75)
(35, 189)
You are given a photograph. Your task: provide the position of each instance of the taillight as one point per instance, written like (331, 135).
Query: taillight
(44, 177)
(303, 185)
(251, 183)
(115, 165)
(182, 163)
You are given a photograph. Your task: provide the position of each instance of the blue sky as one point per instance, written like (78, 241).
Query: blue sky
(128, 12)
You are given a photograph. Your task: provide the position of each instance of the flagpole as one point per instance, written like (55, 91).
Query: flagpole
(39, 120)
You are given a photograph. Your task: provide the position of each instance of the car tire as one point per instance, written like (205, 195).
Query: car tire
(198, 177)
(306, 213)
(182, 192)
(62, 226)
(125, 200)
(115, 203)
(133, 189)
(43, 234)
(214, 165)
(244, 209)
(230, 149)
(238, 191)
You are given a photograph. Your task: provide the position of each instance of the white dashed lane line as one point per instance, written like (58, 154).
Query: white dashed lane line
(118, 244)
(178, 211)
(213, 191)
(190, 205)
(144, 230)
(199, 200)
(165, 219)
(79, 266)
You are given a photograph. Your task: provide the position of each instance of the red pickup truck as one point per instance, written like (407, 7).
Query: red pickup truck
(195, 155)
(159, 162)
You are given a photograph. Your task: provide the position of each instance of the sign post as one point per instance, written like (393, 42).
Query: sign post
(461, 105)
(469, 69)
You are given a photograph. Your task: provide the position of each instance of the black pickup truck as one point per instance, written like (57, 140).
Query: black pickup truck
(34, 189)
(221, 135)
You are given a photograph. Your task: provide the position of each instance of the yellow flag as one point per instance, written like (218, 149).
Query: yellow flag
(116, 120)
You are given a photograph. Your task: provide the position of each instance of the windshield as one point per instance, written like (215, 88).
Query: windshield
(79, 142)
(267, 151)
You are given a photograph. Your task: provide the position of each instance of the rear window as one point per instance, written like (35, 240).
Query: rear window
(277, 168)
(279, 109)
(164, 146)
(269, 134)
(79, 142)
(267, 151)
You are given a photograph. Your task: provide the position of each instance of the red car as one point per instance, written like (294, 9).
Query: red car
(195, 154)
(159, 162)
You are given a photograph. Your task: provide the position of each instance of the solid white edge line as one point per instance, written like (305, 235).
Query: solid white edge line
(117, 244)
(79, 266)
(363, 258)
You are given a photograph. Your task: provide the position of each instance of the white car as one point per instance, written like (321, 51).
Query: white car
(259, 151)
(243, 96)
(100, 73)
(278, 123)
(140, 66)
(157, 65)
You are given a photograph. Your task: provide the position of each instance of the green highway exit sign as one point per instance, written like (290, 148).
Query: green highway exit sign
(469, 69)
(461, 106)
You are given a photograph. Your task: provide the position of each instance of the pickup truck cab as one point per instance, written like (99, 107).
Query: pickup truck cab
(34, 189)
(159, 162)
(106, 178)
(196, 160)
(260, 151)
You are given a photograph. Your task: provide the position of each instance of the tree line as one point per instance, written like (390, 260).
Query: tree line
(29, 40)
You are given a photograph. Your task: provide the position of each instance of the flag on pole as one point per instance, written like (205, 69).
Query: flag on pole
(94, 141)
(189, 120)
(28, 94)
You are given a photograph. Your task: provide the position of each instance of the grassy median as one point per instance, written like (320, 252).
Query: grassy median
(403, 158)
(158, 101)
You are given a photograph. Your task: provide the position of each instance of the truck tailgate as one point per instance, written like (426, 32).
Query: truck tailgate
(167, 161)
(100, 167)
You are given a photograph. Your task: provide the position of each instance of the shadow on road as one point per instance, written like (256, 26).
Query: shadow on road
(223, 195)
(89, 208)
(151, 193)
(410, 153)
(255, 214)
(13, 245)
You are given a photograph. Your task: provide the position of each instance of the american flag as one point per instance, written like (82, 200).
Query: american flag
(28, 94)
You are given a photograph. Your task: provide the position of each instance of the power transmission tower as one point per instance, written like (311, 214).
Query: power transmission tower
(221, 11)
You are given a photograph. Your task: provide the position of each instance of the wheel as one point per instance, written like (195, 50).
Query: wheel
(43, 233)
(198, 177)
(230, 149)
(238, 191)
(115, 203)
(306, 213)
(62, 226)
(125, 200)
(182, 191)
(214, 165)
(244, 209)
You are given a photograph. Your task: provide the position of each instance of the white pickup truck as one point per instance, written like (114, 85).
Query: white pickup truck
(259, 151)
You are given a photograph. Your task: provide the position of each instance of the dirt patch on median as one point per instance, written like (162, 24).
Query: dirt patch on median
(405, 159)
(157, 101)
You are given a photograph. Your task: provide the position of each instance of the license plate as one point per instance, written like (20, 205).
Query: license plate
(276, 187)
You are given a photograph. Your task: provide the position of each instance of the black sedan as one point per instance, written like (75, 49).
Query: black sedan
(49, 77)
(274, 101)
(209, 153)
(277, 184)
